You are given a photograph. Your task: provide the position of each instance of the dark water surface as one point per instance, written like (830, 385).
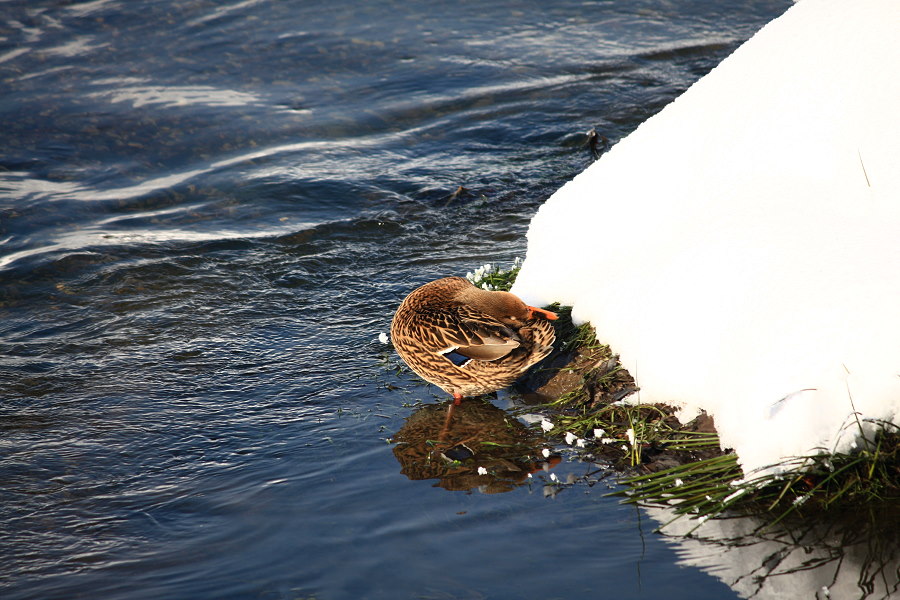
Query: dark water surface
(208, 212)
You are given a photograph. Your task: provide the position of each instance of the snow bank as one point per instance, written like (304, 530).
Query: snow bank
(741, 249)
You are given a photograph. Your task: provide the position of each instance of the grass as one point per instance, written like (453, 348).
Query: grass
(812, 483)
(663, 463)
(492, 277)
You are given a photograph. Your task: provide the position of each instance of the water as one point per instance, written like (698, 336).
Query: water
(208, 212)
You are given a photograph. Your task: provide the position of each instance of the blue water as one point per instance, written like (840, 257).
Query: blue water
(208, 213)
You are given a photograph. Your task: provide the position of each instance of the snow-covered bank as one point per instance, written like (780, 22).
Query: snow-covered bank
(741, 249)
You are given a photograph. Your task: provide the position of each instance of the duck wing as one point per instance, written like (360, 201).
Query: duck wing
(472, 334)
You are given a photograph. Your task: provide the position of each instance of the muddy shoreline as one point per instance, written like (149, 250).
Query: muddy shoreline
(583, 376)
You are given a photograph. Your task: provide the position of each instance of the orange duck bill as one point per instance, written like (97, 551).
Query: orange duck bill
(540, 312)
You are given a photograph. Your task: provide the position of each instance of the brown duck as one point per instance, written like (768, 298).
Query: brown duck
(469, 341)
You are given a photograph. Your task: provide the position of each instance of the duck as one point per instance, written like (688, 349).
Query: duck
(469, 341)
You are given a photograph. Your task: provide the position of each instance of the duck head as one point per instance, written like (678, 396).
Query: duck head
(504, 306)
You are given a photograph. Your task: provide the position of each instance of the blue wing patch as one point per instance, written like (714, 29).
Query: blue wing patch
(457, 359)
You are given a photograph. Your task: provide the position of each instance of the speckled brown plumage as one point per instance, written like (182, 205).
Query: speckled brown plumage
(497, 335)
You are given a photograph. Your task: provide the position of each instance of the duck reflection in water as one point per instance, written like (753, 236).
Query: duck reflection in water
(481, 447)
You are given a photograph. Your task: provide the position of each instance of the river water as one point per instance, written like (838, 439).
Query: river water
(208, 213)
